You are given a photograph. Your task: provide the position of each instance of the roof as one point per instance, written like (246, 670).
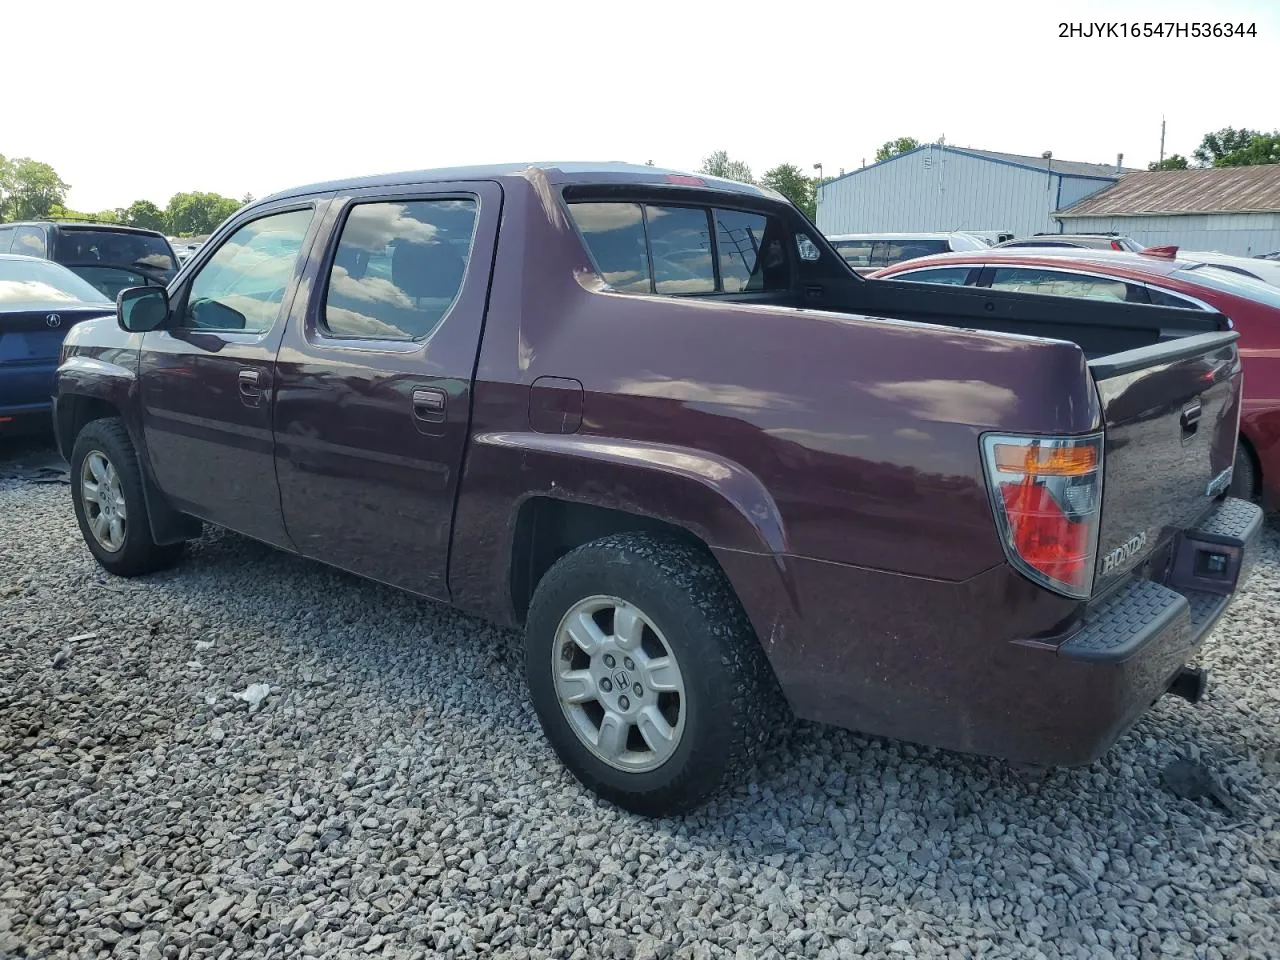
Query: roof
(890, 235)
(83, 225)
(1214, 190)
(1047, 256)
(1069, 168)
(557, 173)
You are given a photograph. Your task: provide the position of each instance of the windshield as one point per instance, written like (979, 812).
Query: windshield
(1227, 281)
(115, 248)
(41, 283)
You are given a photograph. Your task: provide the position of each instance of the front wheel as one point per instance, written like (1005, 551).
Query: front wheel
(645, 673)
(106, 491)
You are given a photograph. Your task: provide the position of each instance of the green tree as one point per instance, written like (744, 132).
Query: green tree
(1218, 144)
(1175, 161)
(194, 214)
(145, 214)
(1264, 148)
(719, 165)
(246, 199)
(891, 148)
(29, 189)
(789, 181)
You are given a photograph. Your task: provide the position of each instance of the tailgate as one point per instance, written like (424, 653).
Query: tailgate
(1171, 412)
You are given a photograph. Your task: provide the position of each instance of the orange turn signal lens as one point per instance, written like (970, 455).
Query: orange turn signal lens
(1054, 461)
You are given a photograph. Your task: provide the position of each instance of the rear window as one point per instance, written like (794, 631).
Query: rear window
(28, 241)
(956, 276)
(114, 248)
(886, 253)
(683, 250)
(42, 282)
(1059, 283)
(856, 253)
(1215, 278)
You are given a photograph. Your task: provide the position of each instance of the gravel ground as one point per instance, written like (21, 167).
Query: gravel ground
(392, 795)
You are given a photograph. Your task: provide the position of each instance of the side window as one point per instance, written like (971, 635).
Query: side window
(955, 276)
(1059, 283)
(6, 238)
(28, 241)
(856, 253)
(739, 237)
(1163, 298)
(398, 268)
(643, 248)
(242, 286)
(680, 245)
(615, 236)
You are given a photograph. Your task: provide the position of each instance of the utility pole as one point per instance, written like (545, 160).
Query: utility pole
(1162, 139)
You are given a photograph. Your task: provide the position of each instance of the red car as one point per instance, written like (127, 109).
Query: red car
(1156, 277)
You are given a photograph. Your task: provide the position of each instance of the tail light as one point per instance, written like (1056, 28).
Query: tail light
(1046, 494)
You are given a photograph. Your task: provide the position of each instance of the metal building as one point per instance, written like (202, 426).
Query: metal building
(1227, 209)
(938, 187)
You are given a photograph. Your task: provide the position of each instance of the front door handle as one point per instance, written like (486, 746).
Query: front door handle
(250, 382)
(429, 404)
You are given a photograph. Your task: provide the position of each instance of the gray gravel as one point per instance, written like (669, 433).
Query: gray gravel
(392, 796)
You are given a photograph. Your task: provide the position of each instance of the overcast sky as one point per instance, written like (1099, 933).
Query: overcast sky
(142, 100)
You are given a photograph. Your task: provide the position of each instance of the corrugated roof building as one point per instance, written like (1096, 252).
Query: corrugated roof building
(1228, 209)
(938, 187)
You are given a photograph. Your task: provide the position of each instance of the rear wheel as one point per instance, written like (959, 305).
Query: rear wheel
(1244, 475)
(646, 674)
(106, 491)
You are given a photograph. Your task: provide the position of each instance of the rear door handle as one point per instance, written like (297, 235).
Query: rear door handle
(250, 382)
(1190, 419)
(429, 404)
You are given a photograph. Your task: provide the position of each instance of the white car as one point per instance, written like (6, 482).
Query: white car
(1267, 271)
(866, 252)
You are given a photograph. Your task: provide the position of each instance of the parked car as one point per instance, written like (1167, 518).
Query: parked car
(1268, 271)
(184, 249)
(39, 302)
(1095, 241)
(109, 256)
(1253, 306)
(991, 237)
(866, 252)
(697, 473)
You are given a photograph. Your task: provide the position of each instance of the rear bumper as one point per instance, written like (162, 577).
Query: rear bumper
(26, 417)
(25, 389)
(995, 665)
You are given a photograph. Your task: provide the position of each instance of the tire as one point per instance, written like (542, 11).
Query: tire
(103, 449)
(1244, 475)
(720, 705)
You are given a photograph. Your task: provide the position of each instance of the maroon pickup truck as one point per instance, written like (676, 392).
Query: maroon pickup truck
(655, 421)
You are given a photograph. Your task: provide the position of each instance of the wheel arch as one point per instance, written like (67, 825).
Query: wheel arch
(527, 499)
(73, 411)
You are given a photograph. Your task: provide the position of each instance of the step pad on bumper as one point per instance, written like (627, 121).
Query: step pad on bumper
(1209, 563)
(1125, 621)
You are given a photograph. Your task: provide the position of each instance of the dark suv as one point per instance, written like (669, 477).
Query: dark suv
(110, 256)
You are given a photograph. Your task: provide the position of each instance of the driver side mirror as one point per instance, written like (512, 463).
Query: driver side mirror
(142, 309)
